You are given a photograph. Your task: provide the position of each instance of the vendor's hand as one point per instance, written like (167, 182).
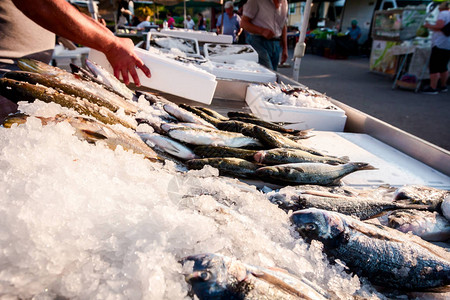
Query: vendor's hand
(267, 33)
(124, 60)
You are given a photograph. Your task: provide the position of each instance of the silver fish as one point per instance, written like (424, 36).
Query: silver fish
(231, 166)
(68, 78)
(310, 173)
(285, 156)
(385, 256)
(110, 80)
(168, 145)
(169, 126)
(213, 276)
(213, 138)
(184, 115)
(421, 194)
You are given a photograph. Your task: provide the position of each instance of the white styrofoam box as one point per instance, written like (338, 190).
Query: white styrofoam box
(243, 70)
(393, 166)
(301, 117)
(174, 42)
(226, 53)
(200, 35)
(170, 76)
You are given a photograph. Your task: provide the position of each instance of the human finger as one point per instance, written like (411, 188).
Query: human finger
(144, 68)
(135, 76)
(117, 73)
(126, 80)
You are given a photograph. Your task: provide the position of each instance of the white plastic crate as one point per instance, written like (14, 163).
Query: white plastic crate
(225, 53)
(301, 117)
(242, 70)
(200, 35)
(170, 76)
(189, 46)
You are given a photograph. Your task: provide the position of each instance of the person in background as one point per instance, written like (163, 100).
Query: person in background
(124, 13)
(440, 52)
(143, 14)
(170, 20)
(28, 30)
(354, 32)
(201, 24)
(230, 22)
(189, 23)
(265, 21)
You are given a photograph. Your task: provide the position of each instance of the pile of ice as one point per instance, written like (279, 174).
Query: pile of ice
(241, 66)
(79, 220)
(225, 49)
(167, 43)
(302, 98)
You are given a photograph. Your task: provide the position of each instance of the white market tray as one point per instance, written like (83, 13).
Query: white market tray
(165, 42)
(200, 35)
(393, 166)
(170, 76)
(225, 53)
(300, 117)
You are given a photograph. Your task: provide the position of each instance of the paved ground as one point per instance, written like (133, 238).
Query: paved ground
(349, 81)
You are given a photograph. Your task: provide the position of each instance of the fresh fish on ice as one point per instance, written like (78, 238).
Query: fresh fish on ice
(213, 276)
(201, 114)
(22, 91)
(184, 115)
(168, 145)
(421, 194)
(235, 167)
(286, 156)
(222, 151)
(110, 80)
(213, 138)
(310, 173)
(212, 113)
(385, 256)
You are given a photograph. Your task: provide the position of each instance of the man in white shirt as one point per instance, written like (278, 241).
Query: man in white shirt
(189, 23)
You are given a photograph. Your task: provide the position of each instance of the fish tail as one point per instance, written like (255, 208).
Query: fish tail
(345, 158)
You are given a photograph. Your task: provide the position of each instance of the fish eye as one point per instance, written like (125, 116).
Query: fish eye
(310, 227)
(205, 276)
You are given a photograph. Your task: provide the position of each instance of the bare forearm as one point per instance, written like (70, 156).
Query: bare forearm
(64, 20)
(284, 38)
(247, 25)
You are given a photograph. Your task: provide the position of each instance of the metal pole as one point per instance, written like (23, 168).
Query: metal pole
(299, 51)
(93, 9)
(185, 21)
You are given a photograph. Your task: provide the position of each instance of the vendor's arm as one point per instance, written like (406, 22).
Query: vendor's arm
(284, 46)
(63, 19)
(246, 24)
(438, 26)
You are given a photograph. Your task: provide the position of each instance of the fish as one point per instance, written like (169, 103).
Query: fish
(166, 127)
(310, 173)
(285, 156)
(184, 115)
(385, 256)
(445, 207)
(16, 118)
(201, 114)
(110, 80)
(421, 194)
(235, 167)
(265, 124)
(53, 82)
(237, 126)
(361, 208)
(88, 76)
(212, 113)
(93, 131)
(215, 276)
(221, 151)
(168, 145)
(22, 91)
(213, 138)
(32, 65)
(240, 114)
(430, 226)
(273, 139)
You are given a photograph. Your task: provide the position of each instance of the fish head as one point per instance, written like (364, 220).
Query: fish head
(208, 277)
(318, 224)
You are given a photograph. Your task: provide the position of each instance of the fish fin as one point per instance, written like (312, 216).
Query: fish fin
(94, 135)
